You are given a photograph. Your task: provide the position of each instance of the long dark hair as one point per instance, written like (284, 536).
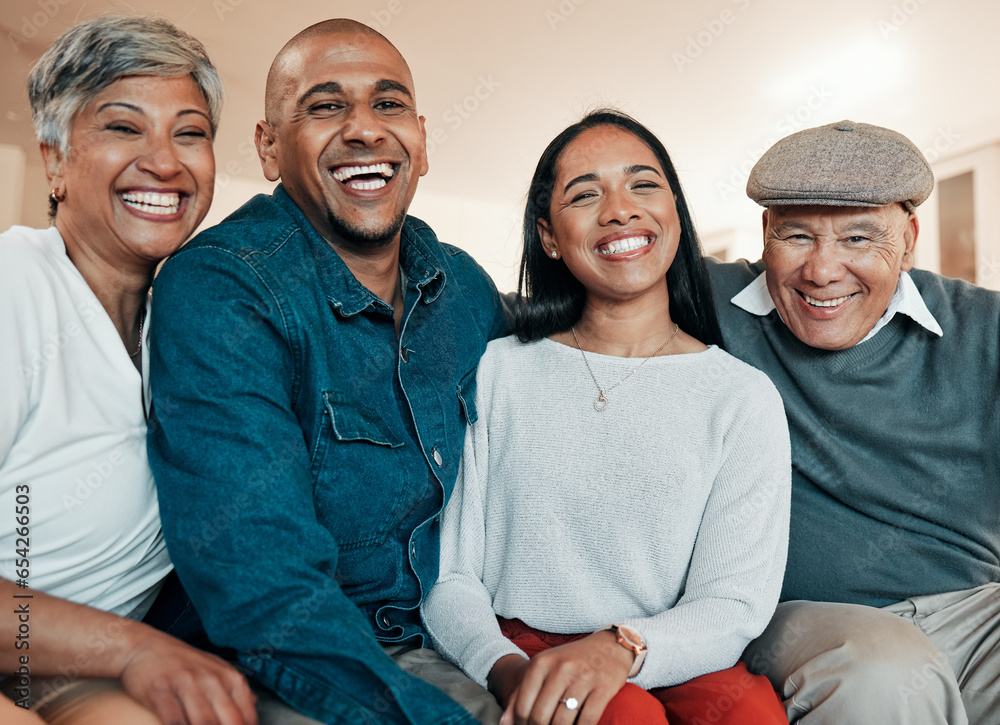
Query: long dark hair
(550, 299)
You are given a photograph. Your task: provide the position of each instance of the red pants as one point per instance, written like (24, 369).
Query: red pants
(728, 697)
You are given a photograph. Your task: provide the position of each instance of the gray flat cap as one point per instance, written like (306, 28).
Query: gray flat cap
(842, 164)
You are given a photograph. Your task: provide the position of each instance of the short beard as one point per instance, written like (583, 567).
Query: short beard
(363, 237)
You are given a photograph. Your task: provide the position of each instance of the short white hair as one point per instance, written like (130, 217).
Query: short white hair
(91, 56)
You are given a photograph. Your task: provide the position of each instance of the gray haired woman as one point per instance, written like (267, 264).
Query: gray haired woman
(125, 110)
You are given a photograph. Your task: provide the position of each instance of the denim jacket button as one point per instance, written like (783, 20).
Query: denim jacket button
(437, 457)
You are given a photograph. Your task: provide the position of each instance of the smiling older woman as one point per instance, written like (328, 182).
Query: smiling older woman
(125, 110)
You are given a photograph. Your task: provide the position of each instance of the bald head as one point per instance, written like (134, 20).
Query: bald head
(340, 98)
(287, 64)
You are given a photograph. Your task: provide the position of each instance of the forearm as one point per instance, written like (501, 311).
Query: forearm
(464, 628)
(54, 633)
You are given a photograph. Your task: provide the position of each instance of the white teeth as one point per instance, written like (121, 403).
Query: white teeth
(346, 172)
(153, 203)
(825, 303)
(367, 185)
(625, 245)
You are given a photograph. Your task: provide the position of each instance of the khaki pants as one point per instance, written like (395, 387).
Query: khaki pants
(103, 702)
(927, 660)
(424, 663)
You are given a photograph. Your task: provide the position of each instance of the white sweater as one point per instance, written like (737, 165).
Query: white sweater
(667, 512)
(73, 435)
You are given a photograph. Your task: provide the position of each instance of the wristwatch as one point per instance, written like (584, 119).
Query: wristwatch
(633, 642)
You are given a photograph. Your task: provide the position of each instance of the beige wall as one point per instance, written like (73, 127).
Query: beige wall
(35, 195)
(11, 185)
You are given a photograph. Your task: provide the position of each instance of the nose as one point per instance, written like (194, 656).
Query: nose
(823, 264)
(161, 157)
(618, 207)
(363, 126)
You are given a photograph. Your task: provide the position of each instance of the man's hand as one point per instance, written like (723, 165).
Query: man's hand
(184, 686)
(591, 670)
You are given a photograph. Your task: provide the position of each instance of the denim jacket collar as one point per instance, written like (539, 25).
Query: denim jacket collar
(348, 296)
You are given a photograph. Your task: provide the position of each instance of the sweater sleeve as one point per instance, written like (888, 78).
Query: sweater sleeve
(458, 611)
(739, 555)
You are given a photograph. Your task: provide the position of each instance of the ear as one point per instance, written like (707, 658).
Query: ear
(52, 159)
(266, 141)
(548, 240)
(424, 163)
(763, 222)
(910, 235)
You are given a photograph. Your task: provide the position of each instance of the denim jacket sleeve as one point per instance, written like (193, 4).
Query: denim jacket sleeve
(236, 496)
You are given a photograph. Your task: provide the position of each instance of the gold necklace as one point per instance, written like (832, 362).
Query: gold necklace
(601, 404)
(142, 318)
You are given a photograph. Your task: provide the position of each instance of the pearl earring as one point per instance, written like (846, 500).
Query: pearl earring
(555, 254)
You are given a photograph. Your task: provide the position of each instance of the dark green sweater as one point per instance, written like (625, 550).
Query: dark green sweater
(895, 444)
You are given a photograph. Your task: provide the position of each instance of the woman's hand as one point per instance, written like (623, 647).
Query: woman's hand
(591, 670)
(185, 686)
(11, 714)
(181, 685)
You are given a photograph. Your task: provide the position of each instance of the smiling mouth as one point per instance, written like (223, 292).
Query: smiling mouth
(836, 301)
(153, 203)
(624, 245)
(365, 178)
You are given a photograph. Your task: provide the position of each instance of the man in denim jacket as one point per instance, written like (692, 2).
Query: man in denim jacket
(313, 368)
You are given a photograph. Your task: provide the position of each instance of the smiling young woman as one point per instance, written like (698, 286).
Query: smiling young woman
(619, 529)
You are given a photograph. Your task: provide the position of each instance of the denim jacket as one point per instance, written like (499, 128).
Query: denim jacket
(303, 452)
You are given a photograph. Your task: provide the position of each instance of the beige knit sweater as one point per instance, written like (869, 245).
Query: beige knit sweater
(667, 512)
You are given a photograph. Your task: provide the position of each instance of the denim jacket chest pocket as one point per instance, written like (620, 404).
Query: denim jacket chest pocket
(359, 465)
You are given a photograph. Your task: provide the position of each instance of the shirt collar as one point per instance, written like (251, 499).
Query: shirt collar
(755, 299)
(342, 289)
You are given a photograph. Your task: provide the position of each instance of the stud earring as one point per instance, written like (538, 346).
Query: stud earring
(555, 254)
(56, 197)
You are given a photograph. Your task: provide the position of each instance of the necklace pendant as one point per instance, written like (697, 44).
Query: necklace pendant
(601, 404)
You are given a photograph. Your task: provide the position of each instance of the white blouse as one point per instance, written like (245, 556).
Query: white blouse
(72, 437)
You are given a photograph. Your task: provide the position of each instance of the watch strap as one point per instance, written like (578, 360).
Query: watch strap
(637, 648)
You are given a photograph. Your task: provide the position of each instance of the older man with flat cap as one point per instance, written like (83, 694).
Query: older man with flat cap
(890, 376)
(313, 372)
